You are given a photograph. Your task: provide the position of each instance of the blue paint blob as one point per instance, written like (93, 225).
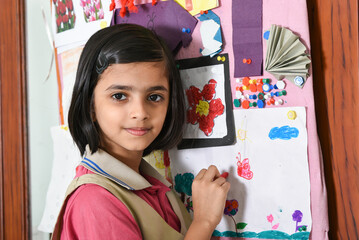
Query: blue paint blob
(266, 35)
(284, 133)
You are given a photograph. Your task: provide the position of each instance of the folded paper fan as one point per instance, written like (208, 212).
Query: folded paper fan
(286, 56)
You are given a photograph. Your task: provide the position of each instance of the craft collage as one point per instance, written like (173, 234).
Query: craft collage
(245, 66)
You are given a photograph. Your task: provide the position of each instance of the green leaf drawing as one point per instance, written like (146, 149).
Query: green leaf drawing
(241, 225)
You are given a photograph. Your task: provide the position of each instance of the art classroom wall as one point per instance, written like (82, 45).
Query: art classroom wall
(216, 96)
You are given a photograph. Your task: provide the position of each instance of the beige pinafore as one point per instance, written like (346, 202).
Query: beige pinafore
(151, 224)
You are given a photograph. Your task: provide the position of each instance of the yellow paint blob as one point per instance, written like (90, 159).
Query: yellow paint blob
(202, 108)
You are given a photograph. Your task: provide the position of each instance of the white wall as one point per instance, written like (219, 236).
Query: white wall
(42, 108)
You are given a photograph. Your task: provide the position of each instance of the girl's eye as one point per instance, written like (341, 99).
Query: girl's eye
(155, 98)
(119, 96)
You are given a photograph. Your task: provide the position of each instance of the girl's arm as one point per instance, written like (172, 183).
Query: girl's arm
(209, 194)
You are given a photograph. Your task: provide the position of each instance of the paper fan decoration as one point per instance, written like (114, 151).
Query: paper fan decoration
(286, 56)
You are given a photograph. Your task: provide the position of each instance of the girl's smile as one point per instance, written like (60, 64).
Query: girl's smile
(137, 131)
(130, 107)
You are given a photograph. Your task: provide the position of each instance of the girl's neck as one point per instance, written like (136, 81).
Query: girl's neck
(131, 158)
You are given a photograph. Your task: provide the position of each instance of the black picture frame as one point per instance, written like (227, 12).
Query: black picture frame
(229, 138)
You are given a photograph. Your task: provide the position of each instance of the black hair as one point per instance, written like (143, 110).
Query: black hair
(122, 43)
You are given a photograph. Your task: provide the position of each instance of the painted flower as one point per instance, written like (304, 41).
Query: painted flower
(231, 207)
(270, 218)
(297, 216)
(203, 108)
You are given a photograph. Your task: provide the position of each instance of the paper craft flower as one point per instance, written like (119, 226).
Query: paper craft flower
(64, 14)
(203, 108)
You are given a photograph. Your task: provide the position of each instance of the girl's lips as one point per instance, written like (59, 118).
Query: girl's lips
(137, 131)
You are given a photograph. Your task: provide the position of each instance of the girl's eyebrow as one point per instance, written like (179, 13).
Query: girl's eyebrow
(119, 87)
(128, 88)
(157, 88)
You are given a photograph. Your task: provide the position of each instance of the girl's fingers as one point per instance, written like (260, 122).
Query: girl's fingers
(220, 181)
(211, 173)
(200, 174)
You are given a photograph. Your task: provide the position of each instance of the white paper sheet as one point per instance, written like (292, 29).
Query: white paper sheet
(66, 158)
(277, 181)
(199, 77)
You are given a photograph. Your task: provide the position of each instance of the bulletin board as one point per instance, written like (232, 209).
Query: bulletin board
(250, 108)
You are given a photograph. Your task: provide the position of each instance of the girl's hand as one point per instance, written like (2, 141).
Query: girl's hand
(209, 194)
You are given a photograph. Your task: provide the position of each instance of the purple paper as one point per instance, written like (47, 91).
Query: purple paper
(247, 37)
(166, 18)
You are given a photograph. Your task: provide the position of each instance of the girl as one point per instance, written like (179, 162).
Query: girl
(128, 101)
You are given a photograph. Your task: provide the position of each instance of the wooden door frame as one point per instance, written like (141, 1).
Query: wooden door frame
(334, 44)
(14, 178)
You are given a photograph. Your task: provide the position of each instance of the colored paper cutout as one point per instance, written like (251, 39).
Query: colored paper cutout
(196, 6)
(284, 133)
(279, 184)
(286, 56)
(208, 99)
(210, 33)
(166, 18)
(247, 37)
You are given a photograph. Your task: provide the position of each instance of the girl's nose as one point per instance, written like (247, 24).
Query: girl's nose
(138, 110)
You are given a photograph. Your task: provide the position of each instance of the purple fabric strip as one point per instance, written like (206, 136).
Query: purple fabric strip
(247, 37)
(166, 18)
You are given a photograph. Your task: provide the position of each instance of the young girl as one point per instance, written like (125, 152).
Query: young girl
(128, 101)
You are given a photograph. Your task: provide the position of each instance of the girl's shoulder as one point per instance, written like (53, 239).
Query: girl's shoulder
(93, 211)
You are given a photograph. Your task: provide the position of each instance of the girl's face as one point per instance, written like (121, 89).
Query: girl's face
(130, 105)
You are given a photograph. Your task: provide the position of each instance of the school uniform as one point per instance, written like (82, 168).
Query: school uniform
(109, 200)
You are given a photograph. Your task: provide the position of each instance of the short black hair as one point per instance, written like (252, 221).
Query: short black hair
(123, 43)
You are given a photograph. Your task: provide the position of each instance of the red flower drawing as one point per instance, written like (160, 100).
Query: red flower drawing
(203, 108)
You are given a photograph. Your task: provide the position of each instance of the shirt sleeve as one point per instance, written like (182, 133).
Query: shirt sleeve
(94, 213)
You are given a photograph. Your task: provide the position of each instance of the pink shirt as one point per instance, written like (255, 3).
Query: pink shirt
(94, 213)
